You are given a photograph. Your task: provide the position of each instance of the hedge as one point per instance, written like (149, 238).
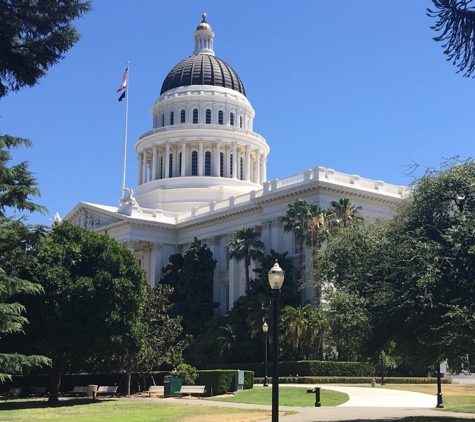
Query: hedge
(308, 368)
(223, 381)
(354, 380)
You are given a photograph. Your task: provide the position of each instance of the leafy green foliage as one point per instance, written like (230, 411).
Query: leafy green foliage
(94, 291)
(187, 373)
(35, 34)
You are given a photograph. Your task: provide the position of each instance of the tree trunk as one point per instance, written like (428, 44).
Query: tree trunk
(58, 363)
(129, 379)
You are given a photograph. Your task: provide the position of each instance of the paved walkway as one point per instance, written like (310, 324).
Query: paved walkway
(364, 404)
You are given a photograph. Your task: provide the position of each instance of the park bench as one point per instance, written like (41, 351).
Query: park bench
(156, 389)
(107, 390)
(79, 389)
(37, 391)
(192, 389)
(13, 392)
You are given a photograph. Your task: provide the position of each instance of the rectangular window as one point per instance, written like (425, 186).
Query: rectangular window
(195, 115)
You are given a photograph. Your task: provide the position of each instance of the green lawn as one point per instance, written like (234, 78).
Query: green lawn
(288, 396)
(107, 411)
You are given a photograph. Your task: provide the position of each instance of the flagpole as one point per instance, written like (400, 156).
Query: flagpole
(125, 127)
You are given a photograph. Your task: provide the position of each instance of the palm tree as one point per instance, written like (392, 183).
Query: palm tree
(345, 214)
(246, 246)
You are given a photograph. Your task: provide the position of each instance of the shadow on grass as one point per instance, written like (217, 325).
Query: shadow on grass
(43, 404)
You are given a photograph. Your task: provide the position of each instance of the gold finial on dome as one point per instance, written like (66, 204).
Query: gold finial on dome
(204, 25)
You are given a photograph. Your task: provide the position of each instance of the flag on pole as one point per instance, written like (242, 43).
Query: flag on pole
(124, 80)
(122, 96)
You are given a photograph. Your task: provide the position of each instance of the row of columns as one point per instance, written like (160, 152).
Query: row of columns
(149, 167)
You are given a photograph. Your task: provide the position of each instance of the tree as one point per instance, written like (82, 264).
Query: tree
(94, 291)
(17, 187)
(246, 246)
(456, 22)
(34, 35)
(345, 214)
(193, 294)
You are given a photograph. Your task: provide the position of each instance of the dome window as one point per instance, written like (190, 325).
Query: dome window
(220, 117)
(240, 122)
(179, 164)
(195, 115)
(170, 165)
(182, 116)
(208, 116)
(194, 163)
(231, 119)
(241, 168)
(161, 167)
(172, 118)
(163, 120)
(231, 165)
(221, 164)
(208, 163)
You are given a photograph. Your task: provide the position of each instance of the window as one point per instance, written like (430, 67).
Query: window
(231, 119)
(221, 164)
(170, 165)
(194, 163)
(207, 163)
(231, 165)
(220, 117)
(241, 167)
(195, 115)
(182, 116)
(240, 122)
(163, 120)
(208, 116)
(161, 167)
(179, 164)
(172, 118)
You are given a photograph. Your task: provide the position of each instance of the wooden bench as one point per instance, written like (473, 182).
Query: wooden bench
(192, 389)
(13, 392)
(37, 391)
(107, 390)
(79, 389)
(156, 389)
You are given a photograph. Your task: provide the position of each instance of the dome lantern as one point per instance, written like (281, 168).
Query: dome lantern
(203, 38)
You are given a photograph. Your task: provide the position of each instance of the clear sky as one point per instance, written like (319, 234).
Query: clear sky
(357, 86)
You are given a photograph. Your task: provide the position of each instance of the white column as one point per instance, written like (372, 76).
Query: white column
(263, 170)
(154, 164)
(139, 168)
(235, 160)
(217, 161)
(200, 158)
(183, 158)
(167, 160)
(258, 168)
(144, 167)
(248, 164)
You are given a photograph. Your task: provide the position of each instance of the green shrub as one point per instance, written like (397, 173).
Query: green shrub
(187, 373)
(354, 380)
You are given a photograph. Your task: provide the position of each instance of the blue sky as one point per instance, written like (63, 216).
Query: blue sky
(357, 86)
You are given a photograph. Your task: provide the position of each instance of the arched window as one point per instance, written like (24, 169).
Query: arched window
(208, 116)
(172, 118)
(221, 164)
(179, 164)
(195, 115)
(207, 163)
(230, 165)
(161, 167)
(241, 168)
(240, 122)
(194, 163)
(163, 120)
(182, 116)
(220, 117)
(170, 165)
(231, 119)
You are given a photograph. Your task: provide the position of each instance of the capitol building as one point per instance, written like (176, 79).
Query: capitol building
(202, 172)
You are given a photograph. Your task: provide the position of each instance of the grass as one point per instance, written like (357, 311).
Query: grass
(288, 396)
(111, 411)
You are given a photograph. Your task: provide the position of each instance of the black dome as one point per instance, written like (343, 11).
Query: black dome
(203, 69)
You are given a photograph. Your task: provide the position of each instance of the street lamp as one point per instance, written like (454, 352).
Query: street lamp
(440, 403)
(265, 328)
(276, 280)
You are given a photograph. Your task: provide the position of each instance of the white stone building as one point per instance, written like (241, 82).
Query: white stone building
(202, 172)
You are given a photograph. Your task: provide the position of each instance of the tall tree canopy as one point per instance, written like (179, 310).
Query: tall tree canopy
(34, 35)
(94, 291)
(456, 24)
(17, 188)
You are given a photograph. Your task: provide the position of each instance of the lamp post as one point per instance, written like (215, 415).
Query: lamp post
(276, 280)
(265, 328)
(440, 403)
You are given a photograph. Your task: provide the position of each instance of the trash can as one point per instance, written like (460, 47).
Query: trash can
(91, 391)
(239, 380)
(171, 386)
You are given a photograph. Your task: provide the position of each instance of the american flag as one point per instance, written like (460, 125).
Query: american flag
(124, 80)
